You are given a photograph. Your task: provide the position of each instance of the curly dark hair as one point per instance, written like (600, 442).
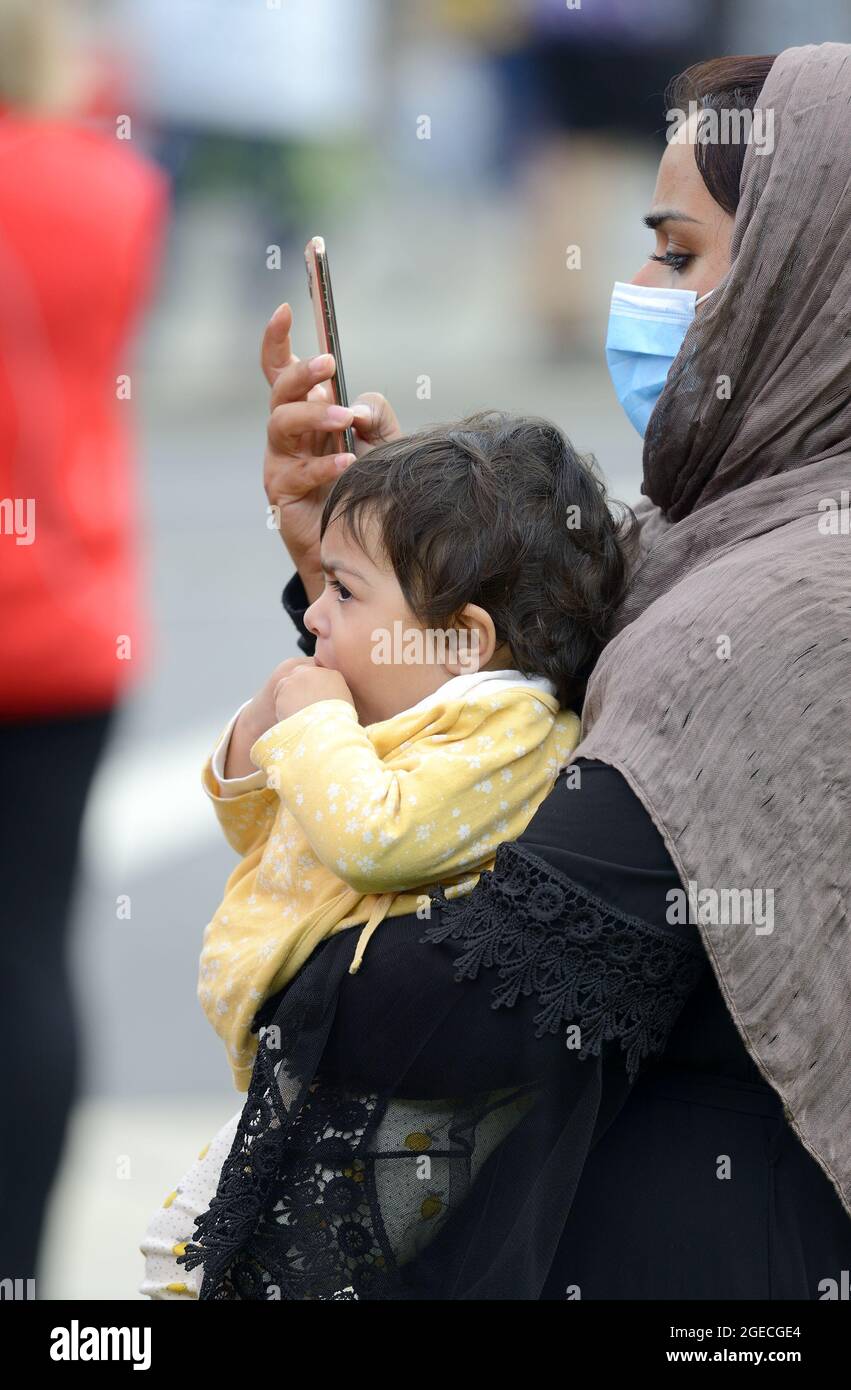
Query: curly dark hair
(497, 510)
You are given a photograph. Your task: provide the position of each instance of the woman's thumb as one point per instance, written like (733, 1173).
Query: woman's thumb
(378, 421)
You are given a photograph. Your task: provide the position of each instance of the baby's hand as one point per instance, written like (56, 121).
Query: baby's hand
(304, 684)
(258, 716)
(261, 714)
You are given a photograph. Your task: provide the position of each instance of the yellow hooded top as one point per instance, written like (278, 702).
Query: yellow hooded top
(348, 824)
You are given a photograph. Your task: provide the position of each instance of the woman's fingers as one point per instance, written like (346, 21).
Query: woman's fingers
(300, 394)
(303, 420)
(306, 475)
(291, 378)
(276, 348)
(295, 381)
(288, 423)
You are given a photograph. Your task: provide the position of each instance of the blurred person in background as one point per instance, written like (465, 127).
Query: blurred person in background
(580, 133)
(81, 222)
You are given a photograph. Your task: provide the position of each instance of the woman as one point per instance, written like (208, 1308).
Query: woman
(571, 1083)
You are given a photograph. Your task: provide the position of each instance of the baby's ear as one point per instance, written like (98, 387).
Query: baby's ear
(471, 642)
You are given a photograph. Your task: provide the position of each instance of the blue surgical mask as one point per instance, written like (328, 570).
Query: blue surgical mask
(646, 331)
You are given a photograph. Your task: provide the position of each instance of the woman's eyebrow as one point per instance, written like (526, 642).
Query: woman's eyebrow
(653, 219)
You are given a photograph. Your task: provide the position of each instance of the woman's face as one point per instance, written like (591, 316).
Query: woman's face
(692, 231)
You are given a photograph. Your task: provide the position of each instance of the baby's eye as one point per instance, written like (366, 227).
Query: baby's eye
(341, 589)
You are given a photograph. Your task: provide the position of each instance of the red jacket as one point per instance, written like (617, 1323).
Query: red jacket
(81, 222)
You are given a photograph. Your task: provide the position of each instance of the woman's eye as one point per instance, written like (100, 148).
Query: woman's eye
(677, 260)
(341, 589)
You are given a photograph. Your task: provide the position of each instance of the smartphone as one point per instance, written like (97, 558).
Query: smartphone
(327, 334)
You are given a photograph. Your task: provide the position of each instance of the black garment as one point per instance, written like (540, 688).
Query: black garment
(294, 599)
(560, 1164)
(48, 765)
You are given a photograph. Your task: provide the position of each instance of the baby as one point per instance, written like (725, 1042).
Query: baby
(470, 574)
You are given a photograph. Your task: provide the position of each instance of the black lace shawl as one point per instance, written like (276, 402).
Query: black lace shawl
(419, 1130)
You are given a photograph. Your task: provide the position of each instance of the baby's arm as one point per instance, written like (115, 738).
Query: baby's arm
(245, 806)
(173, 1224)
(437, 807)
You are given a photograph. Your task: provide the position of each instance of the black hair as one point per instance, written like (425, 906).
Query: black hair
(721, 84)
(500, 511)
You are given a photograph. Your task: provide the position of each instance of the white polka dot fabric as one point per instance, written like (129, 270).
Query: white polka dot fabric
(173, 1224)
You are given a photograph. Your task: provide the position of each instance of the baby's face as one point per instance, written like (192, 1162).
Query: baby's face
(360, 603)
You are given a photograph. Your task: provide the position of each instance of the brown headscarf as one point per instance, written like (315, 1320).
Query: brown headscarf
(725, 697)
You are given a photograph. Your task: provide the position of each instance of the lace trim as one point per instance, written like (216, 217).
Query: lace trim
(247, 1173)
(295, 1215)
(613, 975)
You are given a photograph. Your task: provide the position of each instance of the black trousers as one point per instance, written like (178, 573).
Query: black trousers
(46, 769)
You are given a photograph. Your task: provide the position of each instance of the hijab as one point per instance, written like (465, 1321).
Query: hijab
(724, 698)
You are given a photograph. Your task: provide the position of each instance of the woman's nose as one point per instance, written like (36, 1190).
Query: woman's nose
(650, 274)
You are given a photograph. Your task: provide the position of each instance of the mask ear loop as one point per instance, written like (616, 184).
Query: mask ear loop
(714, 290)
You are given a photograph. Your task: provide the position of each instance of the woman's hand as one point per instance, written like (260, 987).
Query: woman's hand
(300, 463)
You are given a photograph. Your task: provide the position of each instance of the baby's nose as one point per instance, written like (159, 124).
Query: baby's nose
(315, 617)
